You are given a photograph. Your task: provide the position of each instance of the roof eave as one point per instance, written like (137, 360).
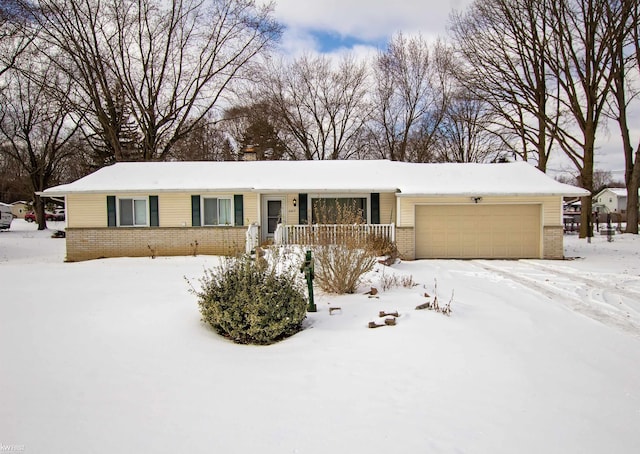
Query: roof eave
(493, 194)
(48, 193)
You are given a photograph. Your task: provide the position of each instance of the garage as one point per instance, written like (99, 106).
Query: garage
(478, 231)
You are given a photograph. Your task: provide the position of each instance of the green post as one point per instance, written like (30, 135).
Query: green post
(307, 268)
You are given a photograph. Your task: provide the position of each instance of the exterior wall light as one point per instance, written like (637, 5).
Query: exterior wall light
(476, 199)
(295, 202)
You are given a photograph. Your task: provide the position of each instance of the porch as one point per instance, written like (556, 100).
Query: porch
(310, 234)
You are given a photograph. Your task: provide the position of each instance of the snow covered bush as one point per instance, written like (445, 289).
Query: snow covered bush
(253, 301)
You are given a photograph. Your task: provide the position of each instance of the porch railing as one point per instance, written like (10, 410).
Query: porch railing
(252, 238)
(330, 233)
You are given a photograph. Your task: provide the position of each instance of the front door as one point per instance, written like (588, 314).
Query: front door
(272, 216)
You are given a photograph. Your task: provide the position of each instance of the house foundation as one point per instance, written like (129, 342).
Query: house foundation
(405, 242)
(94, 243)
(552, 242)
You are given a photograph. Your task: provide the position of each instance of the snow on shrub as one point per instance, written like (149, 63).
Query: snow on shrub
(253, 301)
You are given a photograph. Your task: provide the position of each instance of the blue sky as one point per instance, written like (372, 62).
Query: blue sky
(330, 41)
(331, 26)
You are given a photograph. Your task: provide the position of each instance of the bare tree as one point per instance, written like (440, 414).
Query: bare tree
(465, 132)
(15, 35)
(581, 58)
(601, 179)
(206, 142)
(412, 87)
(503, 44)
(152, 69)
(36, 128)
(13, 179)
(626, 66)
(320, 110)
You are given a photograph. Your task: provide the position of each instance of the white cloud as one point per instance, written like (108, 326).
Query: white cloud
(366, 20)
(373, 22)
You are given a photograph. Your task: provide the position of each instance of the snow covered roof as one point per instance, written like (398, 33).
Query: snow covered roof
(345, 176)
(451, 179)
(618, 192)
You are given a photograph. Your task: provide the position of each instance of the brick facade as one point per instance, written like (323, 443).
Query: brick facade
(93, 243)
(405, 241)
(552, 242)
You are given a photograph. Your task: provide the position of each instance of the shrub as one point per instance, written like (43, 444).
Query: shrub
(389, 281)
(341, 267)
(342, 253)
(252, 302)
(383, 246)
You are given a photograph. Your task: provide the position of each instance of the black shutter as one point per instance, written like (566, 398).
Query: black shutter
(375, 208)
(302, 209)
(111, 210)
(154, 220)
(238, 208)
(195, 210)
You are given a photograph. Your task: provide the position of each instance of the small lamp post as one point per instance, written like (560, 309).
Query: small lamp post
(307, 269)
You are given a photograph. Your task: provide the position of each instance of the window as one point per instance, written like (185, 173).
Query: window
(216, 211)
(331, 210)
(132, 212)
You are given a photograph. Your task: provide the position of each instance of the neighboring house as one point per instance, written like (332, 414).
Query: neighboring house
(20, 208)
(611, 200)
(509, 210)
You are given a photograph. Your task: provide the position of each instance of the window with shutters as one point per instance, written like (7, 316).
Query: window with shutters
(133, 212)
(217, 211)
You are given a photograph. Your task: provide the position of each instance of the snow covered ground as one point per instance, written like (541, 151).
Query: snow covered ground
(110, 356)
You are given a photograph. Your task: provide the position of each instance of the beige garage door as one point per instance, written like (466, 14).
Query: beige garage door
(478, 231)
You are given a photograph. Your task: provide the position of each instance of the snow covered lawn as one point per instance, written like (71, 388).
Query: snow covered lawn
(110, 356)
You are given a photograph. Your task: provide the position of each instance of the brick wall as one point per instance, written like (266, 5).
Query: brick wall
(553, 246)
(552, 242)
(92, 243)
(405, 241)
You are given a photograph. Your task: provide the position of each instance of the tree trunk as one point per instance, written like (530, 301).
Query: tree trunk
(586, 180)
(632, 196)
(38, 208)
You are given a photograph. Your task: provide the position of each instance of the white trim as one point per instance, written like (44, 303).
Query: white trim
(221, 197)
(133, 198)
(264, 221)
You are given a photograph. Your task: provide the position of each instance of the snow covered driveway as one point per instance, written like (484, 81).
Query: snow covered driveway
(610, 298)
(537, 357)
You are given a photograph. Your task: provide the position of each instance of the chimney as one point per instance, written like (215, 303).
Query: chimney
(249, 153)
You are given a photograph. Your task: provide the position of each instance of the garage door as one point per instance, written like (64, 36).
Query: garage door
(478, 231)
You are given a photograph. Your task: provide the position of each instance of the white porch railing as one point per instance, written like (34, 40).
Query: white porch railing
(252, 239)
(332, 233)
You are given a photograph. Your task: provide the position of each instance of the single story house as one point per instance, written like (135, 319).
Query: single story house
(507, 210)
(611, 200)
(20, 208)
